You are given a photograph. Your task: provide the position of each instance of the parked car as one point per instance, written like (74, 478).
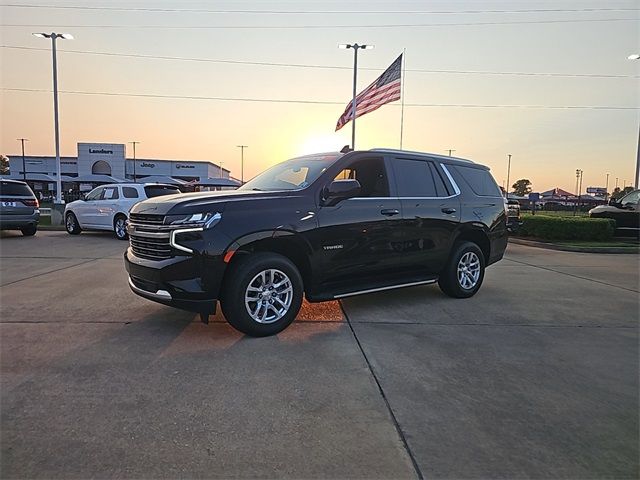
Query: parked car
(19, 207)
(513, 215)
(325, 226)
(107, 207)
(625, 211)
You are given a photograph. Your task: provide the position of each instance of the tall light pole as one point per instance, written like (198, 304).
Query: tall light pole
(578, 188)
(606, 188)
(508, 174)
(134, 160)
(53, 36)
(355, 47)
(636, 179)
(24, 168)
(450, 150)
(242, 147)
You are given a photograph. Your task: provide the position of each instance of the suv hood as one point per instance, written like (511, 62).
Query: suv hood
(199, 202)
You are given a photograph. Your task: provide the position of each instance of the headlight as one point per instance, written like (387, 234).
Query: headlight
(189, 225)
(204, 220)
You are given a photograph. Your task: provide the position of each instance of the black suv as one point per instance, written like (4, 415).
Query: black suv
(327, 226)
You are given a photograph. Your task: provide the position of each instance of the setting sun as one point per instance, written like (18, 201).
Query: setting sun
(320, 143)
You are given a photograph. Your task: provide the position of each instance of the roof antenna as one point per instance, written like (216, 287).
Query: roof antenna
(346, 149)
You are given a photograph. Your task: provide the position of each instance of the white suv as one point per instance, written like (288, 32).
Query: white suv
(107, 207)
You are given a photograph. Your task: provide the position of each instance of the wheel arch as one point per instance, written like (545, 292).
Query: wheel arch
(288, 244)
(116, 215)
(478, 235)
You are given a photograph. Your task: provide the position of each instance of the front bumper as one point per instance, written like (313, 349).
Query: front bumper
(186, 282)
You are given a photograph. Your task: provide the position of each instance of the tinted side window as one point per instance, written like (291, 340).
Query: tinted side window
(158, 190)
(129, 192)
(9, 188)
(372, 175)
(441, 187)
(414, 178)
(94, 194)
(479, 180)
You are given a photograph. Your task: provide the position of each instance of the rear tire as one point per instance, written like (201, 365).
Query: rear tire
(262, 294)
(120, 227)
(29, 230)
(71, 224)
(464, 273)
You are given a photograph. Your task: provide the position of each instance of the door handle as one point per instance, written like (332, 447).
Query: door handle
(389, 212)
(448, 210)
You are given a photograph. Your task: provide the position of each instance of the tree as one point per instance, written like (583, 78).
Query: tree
(522, 187)
(4, 165)
(617, 193)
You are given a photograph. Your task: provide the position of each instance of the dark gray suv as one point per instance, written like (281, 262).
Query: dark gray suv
(19, 207)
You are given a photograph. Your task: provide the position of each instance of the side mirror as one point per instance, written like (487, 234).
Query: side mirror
(339, 190)
(613, 203)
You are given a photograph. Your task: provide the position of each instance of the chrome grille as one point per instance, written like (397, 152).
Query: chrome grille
(148, 237)
(142, 219)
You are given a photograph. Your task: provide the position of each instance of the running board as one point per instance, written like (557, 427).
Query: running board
(390, 287)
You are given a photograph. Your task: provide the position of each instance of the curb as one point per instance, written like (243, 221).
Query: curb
(567, 248)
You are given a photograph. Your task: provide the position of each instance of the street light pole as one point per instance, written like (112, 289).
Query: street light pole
(54, 36)
(450, 150)
(508, 174)
(606, 188)
(242, 147)
(134, 160)
(24, 168)
(355, 47)
(636, 179)
(578, 189)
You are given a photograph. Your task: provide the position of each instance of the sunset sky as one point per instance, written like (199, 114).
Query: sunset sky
(588, 60)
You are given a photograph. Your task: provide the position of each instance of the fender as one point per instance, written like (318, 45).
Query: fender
(274, 234)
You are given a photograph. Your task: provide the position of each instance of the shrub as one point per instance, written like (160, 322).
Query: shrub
(567, 228)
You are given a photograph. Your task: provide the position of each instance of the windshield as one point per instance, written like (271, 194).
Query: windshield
(293, 174)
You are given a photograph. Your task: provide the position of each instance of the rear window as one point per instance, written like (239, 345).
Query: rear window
(158, 190)
(479, 180)
(10, 188)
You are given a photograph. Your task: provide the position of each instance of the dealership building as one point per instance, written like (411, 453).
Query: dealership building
(99, 163)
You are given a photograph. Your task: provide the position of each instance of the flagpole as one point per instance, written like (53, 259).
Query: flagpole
(353, 103)
(403, 79)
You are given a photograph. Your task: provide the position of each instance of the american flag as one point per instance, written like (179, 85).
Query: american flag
(385, 89)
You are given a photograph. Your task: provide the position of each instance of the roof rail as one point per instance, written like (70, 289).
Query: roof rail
(424, 154)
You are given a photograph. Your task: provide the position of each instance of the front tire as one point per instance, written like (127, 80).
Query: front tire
(464, 273)
(71, 224)
(29, 230)
(120, 227)
(262, 294)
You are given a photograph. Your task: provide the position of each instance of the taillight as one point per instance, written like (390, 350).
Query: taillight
(31, 202)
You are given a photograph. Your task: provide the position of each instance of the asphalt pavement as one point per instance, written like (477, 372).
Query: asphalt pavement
(534, 377)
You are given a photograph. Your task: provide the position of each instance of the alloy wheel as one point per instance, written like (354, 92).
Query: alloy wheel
(468, 270)
(121, 228)
(268, 296)
(71, 223)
